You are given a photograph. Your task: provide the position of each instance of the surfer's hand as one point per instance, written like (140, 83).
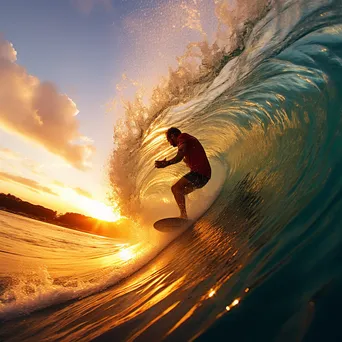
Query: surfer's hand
(160, 164)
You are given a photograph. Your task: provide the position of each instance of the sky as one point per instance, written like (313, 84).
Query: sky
(62, 64)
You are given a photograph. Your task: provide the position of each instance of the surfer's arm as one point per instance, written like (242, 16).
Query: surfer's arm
(178, 158)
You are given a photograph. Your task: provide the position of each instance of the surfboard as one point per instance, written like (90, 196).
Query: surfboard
(171, 224)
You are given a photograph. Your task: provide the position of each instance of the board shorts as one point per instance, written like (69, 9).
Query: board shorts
(197, 179)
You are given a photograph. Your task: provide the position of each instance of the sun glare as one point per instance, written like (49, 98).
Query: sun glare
(91, 207)
(102, 212)
(125, 254)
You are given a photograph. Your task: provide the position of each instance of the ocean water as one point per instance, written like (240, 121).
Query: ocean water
(262, 260)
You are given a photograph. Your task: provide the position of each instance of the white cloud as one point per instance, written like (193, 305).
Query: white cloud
(36, 111)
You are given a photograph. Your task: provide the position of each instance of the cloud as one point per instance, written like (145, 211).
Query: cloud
(36, 111)
(29, 183)
(86, 6)
(83, 192)
(32, 166)
(79, 191)
(58, 183)
(6, 153)
(16, 159)
(7, 51)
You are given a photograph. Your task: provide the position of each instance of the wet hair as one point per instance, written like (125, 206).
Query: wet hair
(173, 130)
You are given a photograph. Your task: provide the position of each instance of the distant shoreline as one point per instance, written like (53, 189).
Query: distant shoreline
(14, 205)
(54, 222)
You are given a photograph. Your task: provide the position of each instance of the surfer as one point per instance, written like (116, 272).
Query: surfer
(192, 152)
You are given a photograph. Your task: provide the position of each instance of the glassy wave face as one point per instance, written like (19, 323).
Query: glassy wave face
(262, 261)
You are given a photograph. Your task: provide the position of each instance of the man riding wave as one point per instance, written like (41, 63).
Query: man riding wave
(192, 152)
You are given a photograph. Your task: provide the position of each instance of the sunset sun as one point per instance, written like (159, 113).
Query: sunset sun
(102, 212)
(91, 207)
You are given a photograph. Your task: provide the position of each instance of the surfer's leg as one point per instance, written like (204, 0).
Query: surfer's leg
(179, 190)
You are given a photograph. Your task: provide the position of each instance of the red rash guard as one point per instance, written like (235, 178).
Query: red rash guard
(195, 157)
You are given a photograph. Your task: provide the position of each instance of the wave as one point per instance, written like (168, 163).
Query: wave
(139, 130)
(212, 95)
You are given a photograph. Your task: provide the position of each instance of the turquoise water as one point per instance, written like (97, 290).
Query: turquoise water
(262, 260)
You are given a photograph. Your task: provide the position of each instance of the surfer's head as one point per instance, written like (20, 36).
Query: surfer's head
(172, 135)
